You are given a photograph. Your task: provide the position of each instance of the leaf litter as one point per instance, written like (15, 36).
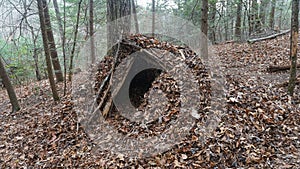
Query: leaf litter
(260, 128)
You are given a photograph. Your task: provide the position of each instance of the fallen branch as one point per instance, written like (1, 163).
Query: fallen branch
(100, 90)
(105, 92)
(269, 37)
(107, 108)
(279, 68)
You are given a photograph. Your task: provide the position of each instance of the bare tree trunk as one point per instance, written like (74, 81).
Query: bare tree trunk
(136, 23)
(294, 45)
(245, 32)
(254, 17)
(64, 49)
(46, 49)
(10, 90)
(153, 17)
(253, 12)
(204, 28)
(62, 36)
(225, 22)
(86, 20)
(58, 17)
(35, 49)
(36, 64)
(280, 15)
(262, 12)
(250, 18)
(204, 15)
(35, 55)
(272, 15)
(117, 9)
(238, 20)
(50, 37)
(213, 9)
(75, 41)
(91, 26)
(230, 6)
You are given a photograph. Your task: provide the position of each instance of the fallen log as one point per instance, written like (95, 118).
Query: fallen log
(268, 37)
(279, 68)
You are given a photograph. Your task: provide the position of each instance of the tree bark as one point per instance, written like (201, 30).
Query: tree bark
(294, 45)
(254, 18)
(262, 11)
(245, 31)
(272, 15)
(62, 37)
(280, 14)
(50, 40)
(153, 17)
(35, 49)
(9, 88)
(230, 6)
(58, 17)
(117, 9)
(238, 20)
(47, 52)
(224, 17)
(136, 23)
(212, 18)
(204, 28)
(75, 41)
(35, 55)
(91, 26)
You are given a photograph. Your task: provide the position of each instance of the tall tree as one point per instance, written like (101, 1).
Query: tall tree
(204, 28)
(153, 17)
(224, 19)
(254, 23)
(46, 50)
(294, 45)
(62, 37)
(50, 40)
(74, 41)
(10, 90)
(91, 31)
(272, 14)
(262, 11)
(34, 38)
(59, 21)
(136, 24)
(280, 5)
(117, 9)
(212, 18)
(238, 22)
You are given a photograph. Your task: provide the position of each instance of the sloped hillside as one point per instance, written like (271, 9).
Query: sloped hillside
(260, 128)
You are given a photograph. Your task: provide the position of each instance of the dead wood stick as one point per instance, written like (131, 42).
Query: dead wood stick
(107, 108)
(108, 87)
(269, 37)
(100, 89)
(126, 42)
(280, 68)
(182, 55)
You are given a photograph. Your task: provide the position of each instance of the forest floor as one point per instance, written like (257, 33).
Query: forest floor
(261, 128)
